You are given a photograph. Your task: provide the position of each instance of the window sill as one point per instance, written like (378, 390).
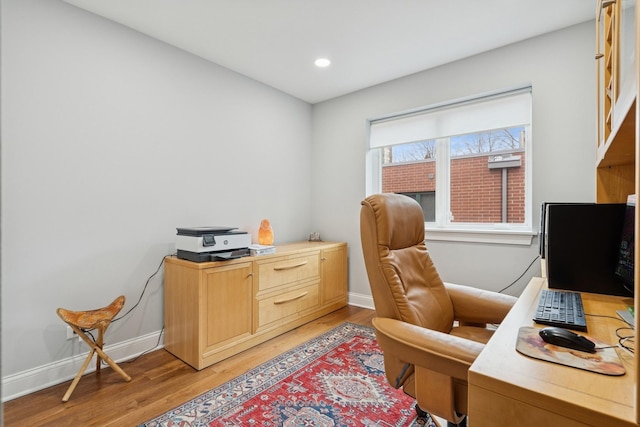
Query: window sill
(498, 236)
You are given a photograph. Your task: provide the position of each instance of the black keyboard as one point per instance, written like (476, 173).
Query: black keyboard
(562, 309)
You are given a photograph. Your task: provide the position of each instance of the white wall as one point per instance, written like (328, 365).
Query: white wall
(559, 66)
(111, 140)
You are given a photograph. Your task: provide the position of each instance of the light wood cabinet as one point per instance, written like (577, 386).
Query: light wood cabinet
(214, 310)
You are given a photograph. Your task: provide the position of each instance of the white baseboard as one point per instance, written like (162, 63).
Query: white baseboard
(23, 383)
(361, 300)
(32, 380)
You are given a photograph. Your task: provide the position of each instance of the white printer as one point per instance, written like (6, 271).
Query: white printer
(201, 244)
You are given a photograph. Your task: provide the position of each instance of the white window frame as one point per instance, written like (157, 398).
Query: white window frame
(443, 228)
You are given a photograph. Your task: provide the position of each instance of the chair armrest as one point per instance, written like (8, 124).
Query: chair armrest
(473, 305)
(437, 351)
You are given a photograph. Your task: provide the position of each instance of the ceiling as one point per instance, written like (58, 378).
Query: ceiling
(368, 41)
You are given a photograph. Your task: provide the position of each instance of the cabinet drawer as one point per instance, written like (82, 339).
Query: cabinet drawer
(288, 270)
(288, 303)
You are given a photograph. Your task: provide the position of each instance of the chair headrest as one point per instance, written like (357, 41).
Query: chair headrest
(399, 220)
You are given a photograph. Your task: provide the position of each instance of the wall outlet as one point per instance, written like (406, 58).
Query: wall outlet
(71, 334)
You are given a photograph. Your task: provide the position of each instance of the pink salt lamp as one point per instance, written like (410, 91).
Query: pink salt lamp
(265, 233)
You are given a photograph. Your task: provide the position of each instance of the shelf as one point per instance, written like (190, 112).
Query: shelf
(619, 149)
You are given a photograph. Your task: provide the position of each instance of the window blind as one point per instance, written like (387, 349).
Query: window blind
(496, 111)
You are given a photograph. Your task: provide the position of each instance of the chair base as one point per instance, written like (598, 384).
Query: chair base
(424, 416)
(462, 423)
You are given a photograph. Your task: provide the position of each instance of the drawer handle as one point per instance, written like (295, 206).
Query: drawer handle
(289, 267)
(282, 301)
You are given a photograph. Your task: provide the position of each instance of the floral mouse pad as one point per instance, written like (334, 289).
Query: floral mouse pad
(603, 361)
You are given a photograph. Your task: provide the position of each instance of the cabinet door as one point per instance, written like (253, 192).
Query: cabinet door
(334, 274)
(227, 293)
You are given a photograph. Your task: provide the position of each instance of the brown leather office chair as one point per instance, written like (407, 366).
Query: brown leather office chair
(430, 332)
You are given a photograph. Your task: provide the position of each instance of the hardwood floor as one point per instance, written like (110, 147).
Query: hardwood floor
(159, 382)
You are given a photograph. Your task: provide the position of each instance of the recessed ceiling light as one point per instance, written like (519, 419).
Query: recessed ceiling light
(322, 62)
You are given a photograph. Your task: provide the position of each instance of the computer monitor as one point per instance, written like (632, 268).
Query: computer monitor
(542, 231)
(625, 263)
(582, 245)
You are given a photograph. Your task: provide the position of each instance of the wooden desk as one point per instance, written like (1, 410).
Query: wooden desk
(507, 388)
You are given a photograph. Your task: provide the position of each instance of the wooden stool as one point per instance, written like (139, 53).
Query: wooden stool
(81, 321)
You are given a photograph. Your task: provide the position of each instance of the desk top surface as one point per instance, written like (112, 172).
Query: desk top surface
(585, 396)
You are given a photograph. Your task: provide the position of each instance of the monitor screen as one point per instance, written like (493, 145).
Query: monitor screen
(582, 247)
(625, 263)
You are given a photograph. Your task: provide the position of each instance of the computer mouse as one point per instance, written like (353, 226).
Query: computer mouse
(565, 338)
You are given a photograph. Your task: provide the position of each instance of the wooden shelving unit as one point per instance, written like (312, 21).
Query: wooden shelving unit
(616, 121)
(617, 155)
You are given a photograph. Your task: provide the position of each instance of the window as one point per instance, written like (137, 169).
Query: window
(466, 162)
(427, 201)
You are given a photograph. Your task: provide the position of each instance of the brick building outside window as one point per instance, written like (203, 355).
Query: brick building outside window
(476, 192)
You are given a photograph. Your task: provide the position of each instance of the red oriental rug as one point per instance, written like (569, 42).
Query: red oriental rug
(336, 379)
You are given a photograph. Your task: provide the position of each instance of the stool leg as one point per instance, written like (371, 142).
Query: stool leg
(101, 354)
(100, 344)
(113, 365)
(76, 380)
